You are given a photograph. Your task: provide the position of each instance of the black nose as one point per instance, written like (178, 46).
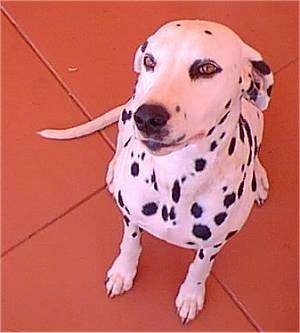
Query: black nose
(151, 118)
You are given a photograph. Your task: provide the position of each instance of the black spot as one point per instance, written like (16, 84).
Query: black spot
(201, 254)
(248, 130)
(141, 229)
(229, 199)
(183, 179)
(126, 143)
(224, 188)
(135, 169)
(213, 146)
(177, 108)
(232, 233)
(231, 146)
(240, 80)
(191, 243)
(228, 104)
(127, 210)
(200, 164)
(269, 90)
(176, 191)
(172, 214)
(222, 135)
(153, 177)
(201, 231)
(174, 223)
(220, 218)
(134, 234)
(213, 257)
(143, 156)
(144, 46)
(149, 208)
(223, 118)
(131, 154)
(147, 181)
(178, 25)
(242, 134)
(208, 32)
(210, 131)
(252, 92)
(153, 180)
(196, 210)
(255, 145)
(217, 245)
(198, 283)
(243, 167)
(120, 199)
(164, 213)
(250, 157)
(126, 220)
(241, 189)
(253, 183)
(262, 67)
(126, 116)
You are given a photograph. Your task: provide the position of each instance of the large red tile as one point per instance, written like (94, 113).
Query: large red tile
(261, 264)
(41, 178)
(54, 282)
(100, 38)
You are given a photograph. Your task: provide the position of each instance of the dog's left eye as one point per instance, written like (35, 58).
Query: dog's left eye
(207, 69)
(149, 62)
(204, 69)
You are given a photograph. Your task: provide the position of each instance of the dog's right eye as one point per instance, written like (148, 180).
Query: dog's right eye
(149, 62)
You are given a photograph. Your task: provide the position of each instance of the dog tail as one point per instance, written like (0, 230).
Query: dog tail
(92, 126)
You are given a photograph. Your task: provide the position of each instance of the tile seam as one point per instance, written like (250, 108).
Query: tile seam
(53, 221)
(283, 67)
(238, 303)
(54, 74)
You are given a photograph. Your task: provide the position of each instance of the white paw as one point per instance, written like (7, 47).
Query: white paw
(120, 277)
(189, 302)
(262, 184)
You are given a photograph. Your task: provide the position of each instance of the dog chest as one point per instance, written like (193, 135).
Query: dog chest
(170, 199)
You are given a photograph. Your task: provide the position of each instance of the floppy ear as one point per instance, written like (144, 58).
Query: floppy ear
(137, 66)
(258, 78)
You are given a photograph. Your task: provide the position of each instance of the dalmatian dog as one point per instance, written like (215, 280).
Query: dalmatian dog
(186, 167)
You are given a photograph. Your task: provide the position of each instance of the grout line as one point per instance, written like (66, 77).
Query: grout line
(286, 65)
(239, 304)
(54, 73)
(43, 227)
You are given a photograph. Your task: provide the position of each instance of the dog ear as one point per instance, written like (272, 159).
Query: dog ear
(137, 66)
(258, 78)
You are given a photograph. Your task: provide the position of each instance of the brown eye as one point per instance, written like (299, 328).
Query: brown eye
(203, 69)
(207, 69)
(149, 62)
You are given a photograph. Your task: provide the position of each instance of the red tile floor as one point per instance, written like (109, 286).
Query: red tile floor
(61, 228)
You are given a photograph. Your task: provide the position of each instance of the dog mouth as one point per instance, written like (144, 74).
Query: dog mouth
(155, 145)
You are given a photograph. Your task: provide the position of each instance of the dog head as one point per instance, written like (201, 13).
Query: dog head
(191, 74)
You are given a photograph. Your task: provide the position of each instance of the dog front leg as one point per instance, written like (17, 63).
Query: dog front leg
(191, 294)
(121, 274)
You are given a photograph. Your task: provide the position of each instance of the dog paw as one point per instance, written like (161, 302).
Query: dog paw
(189, 302)
(119, 278)
(262, 184)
